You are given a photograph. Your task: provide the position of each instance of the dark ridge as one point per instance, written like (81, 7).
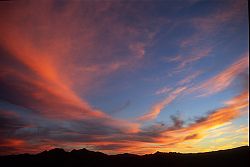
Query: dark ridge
(84, 158)
(53, 151)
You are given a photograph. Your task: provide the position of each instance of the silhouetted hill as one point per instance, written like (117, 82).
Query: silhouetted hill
(84, 158)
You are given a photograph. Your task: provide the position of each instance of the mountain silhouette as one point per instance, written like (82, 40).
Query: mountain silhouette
(84, 158)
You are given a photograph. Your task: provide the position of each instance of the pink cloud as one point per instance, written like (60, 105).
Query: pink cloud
(195, 55)
(224, 79)
(189, 78)
(138, 49)
(208, 25)
(58, 56)
(191, 56)
(64, 56)
(156, 109)
(163, 90)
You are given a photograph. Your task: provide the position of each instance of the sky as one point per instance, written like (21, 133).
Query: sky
(115, 76)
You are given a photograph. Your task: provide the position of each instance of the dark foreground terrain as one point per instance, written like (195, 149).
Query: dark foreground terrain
(58, 157)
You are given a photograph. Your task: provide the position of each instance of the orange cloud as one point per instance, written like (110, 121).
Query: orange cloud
(47, 47)
(43, 43)
(172, 139)
(224, 114)
(12, 142)
(58, 52)
(159, 138)
(214, 119)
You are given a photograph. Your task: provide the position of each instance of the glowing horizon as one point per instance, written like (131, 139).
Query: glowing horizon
(124, 76)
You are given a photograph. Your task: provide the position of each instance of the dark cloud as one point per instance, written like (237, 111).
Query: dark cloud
(61, 52)
(122, 107)
(202, 119)
(110, 147)
(193, 136)
(177, 123)
(10, 123)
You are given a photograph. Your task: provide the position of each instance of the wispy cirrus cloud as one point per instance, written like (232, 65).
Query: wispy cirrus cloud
(58, 60)
(224, 79)
(190, 78)
(163, 90)
(49, 60)
(193, 56)
(206, 27)
(178, 134)
(156, 109)
(138, 49)
(214, 22)
(214, 119)
(145, 140)
(54, 56)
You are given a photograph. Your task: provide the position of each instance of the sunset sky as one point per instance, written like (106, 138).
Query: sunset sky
(123, 76)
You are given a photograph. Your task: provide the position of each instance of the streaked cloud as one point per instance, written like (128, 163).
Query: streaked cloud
(212, 23)
(194, 56)
(189, 78)
(163, 90)
(189, 57)
(156, 109)
(223, 79)
(138, 49)
(159, 135)
(67, 69)
(214, 119)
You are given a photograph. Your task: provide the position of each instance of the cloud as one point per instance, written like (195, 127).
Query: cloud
(178, 123)
(179, 133)
(212, 120)
(56, 56)
(52, 58)
(205, 30)
(194, 136)
(224, 79)
(195, 55)
(65, 61)
(92, 134)
(224, 114)
(138, 49)
(156, 109)
(163, 90)
(10, 143)
(231, 12)
(176, 58)
(10, 119)
(189, 78)
(188, 57)
(62, 58)
(121, 107)
(212, 23)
